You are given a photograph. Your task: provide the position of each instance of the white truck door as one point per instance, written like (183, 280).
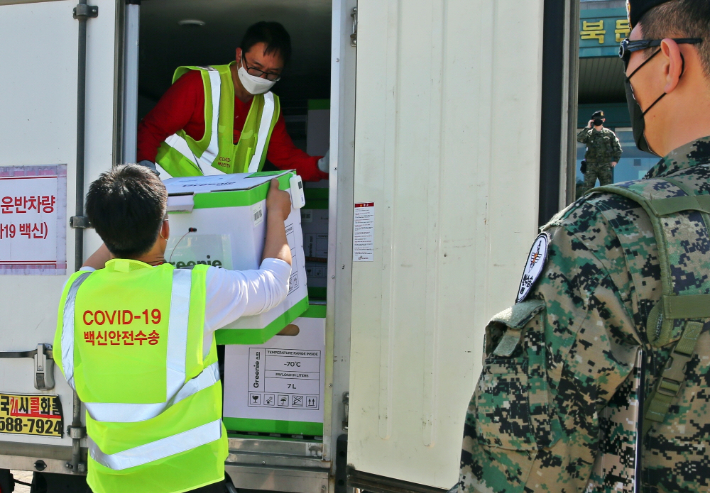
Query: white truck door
(38, 162)
(446, 185)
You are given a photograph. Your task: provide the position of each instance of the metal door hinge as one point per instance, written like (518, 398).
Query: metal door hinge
(83, 11)
(80, 467)
(353, 36)
(79, 222)
(346, 410)
(341, 465)
(76, 432)
(44, 364)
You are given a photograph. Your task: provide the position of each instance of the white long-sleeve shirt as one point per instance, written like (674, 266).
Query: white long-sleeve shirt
(232, 294)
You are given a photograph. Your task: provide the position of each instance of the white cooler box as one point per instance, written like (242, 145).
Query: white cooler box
(228, 215)
(278, 387)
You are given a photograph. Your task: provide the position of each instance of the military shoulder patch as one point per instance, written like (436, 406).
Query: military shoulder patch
(533, 267)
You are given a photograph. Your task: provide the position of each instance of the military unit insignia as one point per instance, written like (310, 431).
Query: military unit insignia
(533, 267)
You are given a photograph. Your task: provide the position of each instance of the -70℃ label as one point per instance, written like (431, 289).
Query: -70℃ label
(284, 378)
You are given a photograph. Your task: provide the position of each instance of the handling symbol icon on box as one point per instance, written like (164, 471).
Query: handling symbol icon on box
(269, 399)
(282, 400)
(312, 401)
(297, 400)
(254, 399)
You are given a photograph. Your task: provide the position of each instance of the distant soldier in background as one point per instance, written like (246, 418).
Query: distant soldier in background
(597, 379)
(603, 152)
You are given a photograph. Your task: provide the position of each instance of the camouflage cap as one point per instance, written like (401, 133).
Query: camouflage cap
(636, 8)
(599, 114)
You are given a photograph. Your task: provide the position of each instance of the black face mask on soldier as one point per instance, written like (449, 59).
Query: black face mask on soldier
(597, 122)
(638, 123)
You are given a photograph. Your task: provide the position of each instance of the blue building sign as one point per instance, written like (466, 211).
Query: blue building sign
(601, 31)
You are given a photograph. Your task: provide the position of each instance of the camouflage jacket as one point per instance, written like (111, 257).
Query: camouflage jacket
(602, 145)
(539, 417)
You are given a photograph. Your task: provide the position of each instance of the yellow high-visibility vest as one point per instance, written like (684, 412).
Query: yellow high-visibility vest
(181, 155)
(129, 341)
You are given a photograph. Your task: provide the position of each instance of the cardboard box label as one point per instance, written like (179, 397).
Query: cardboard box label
(315, 245)
(282, 380)
(194, 248)
(257, 213)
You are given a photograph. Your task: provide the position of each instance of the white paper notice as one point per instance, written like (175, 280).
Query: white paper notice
(32, 216)
(364, 232)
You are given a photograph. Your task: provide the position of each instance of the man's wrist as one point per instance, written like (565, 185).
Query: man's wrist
(275, 215)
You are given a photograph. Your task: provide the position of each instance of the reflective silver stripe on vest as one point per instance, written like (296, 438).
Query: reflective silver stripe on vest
(210, 154)
(68, 329)
(133, 413)
(175, 363)
(159, 449)
(177, 331)
(264, 127)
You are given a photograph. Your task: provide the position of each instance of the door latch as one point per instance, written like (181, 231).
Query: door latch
(81, 222)
(44, 364)
(44, 367)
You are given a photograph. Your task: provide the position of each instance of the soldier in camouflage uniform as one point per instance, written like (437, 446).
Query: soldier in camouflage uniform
(597, 379)
(603, 151)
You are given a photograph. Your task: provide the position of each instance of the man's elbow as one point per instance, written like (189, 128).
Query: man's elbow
(277, 293)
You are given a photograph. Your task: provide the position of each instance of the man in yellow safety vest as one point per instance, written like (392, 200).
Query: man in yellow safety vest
(135, 339)
(224, 118)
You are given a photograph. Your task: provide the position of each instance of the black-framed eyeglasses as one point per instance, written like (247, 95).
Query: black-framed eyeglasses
(627, 47)
(270, 76)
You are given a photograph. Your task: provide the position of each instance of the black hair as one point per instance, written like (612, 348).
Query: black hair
(273, 34)
(680, 19)
(126, 207)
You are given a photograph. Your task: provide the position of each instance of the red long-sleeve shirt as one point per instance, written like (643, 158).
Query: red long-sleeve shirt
(182, 107)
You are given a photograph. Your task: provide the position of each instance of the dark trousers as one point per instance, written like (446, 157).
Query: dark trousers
(211, 488)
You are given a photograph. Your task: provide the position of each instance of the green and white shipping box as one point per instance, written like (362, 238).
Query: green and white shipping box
(221, 221)
(278, 386)
(314, 224)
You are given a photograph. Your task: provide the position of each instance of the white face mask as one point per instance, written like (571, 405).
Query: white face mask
(253, 84)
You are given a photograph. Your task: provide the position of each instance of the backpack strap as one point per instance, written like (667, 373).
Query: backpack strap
(680, 224)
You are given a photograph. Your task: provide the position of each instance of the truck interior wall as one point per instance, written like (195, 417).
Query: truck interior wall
(447, 147)
(165, 45)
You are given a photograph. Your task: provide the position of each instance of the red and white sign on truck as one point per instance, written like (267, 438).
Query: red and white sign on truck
(32, 215)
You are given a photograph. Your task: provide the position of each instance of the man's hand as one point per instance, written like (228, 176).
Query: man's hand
(324, 163)
(98, 259)
(278, 208)
(277, 201)
(590, 124)
(613, 164)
